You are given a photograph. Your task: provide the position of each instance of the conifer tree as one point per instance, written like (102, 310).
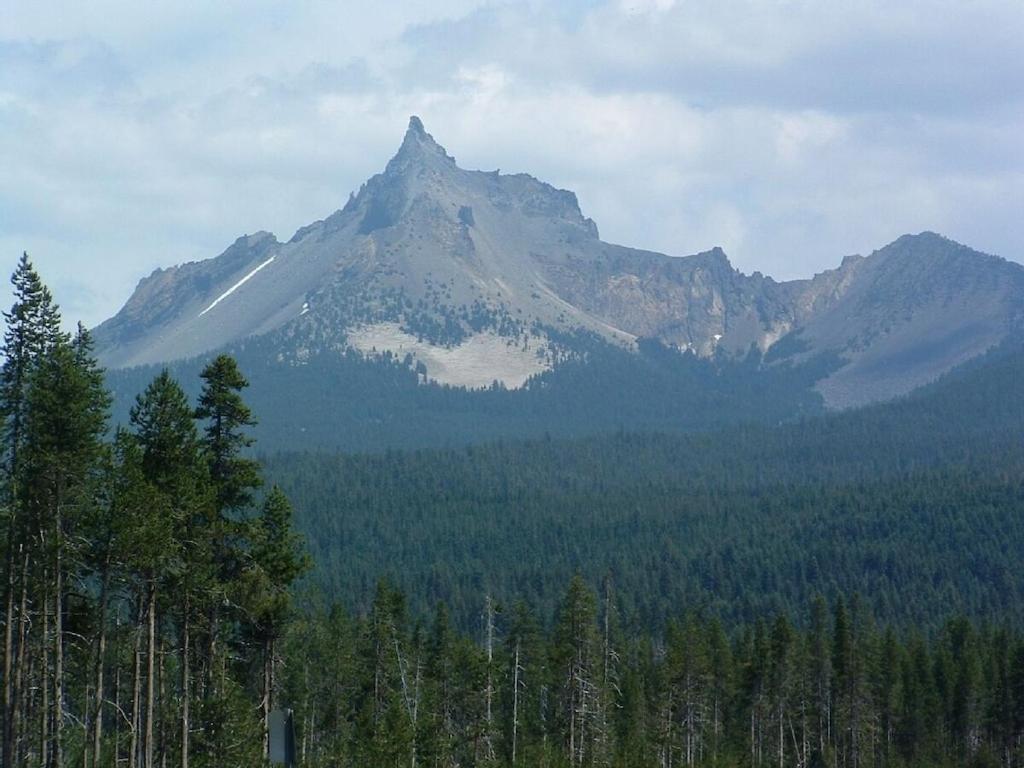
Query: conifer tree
(525, 685)
(32, 326)
(172, 465)
(610, 680)
(886, 687)
(845, 680)
(115, 527)
(820, 674)
(439, 726)
(233, 477)
(756, 650)
(781, 683)
(689, 676)
(225, 439)
(633, 734)
(390, 690)
(575, 662)
(721, 671)
(66, 420)
(278, 560)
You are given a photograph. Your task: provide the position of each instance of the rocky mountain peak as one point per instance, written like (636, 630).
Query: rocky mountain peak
(416, 127)
(418, 149)
(716, 260)
(480, 273)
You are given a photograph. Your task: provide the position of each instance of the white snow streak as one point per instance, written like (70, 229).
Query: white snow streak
(235, 287)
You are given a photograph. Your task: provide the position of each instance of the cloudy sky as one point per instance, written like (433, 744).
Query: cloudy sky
(136, 135)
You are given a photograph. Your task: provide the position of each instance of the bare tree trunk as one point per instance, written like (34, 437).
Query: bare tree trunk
(307, 719)
(20, 715)
(44, 682)
(136, 739)
(101, 650)
(313, 745)
(164, 740)
(489, 609)
(416, 707)
(515, 703)
(782, 736)
(572, 721)
(151, 676)
(185, 683)
(583, 715)
(266, 697)
(25, 746)
(273, 673)
(9, 588)
(86, 726)
(211, 649)
(715, 727)
(14, 656)
(412, 699)
(58, 636)
(753, 750)
(605, 698)
(117, 720)
(58, 658)
(607, 629)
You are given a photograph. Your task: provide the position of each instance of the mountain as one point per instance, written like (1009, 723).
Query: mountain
(475, 277)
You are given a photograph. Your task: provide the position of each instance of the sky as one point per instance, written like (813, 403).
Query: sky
(791, 133)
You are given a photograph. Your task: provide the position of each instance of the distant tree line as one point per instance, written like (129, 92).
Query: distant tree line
(144, 589)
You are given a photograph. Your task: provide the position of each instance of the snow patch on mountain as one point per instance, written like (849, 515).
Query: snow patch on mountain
(236, 286)
(476, 363)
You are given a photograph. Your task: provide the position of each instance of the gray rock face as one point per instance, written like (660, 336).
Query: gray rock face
(908, 313)
(448, 253)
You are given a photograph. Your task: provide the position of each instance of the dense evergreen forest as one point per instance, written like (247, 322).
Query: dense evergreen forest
(333, 400)
(916, 503)
(633, 600)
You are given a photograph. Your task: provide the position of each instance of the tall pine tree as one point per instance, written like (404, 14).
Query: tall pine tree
(32, 327)
(173, 466)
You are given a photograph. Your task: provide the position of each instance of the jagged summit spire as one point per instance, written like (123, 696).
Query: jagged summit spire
(418, 145)
(416, 127)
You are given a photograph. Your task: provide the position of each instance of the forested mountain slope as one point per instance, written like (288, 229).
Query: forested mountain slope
(914, 503)
(350, 403)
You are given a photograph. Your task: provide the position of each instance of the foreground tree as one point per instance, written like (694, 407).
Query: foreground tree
(233, 477)
(173, 467)
(32, 327)
(66, 420)
(277, 561)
